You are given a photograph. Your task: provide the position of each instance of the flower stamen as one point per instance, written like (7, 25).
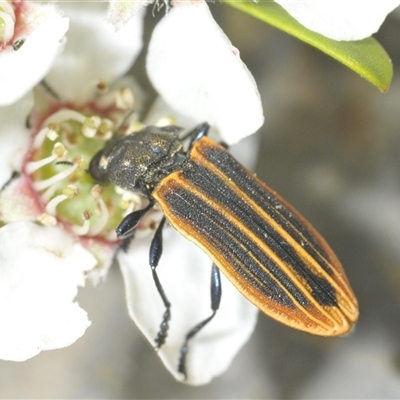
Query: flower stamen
(102, 86)
(103, 210)
(90, 126)
(47, 219)
(52, 133)
(45, 183)
(48, 193)
(84, 228)
(65, 115)
(49, 132)
(105, 130)
(7, 22)
(129, 201)
(124, 99)
(59, 152)
(58, 167)
(69, 192)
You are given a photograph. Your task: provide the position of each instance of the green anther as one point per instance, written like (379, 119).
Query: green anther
(105, 127)
(59, 150)
(71, 191)
(90, 126)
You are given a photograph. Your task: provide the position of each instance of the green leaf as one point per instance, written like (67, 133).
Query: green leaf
(366, 57)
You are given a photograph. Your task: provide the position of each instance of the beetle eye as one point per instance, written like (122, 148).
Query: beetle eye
(97, 170)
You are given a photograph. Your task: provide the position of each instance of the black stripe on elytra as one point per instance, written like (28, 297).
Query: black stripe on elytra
(216, 189)
(229, 166)
(234, 245)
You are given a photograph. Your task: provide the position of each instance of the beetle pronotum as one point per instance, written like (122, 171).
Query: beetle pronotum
(270, 252)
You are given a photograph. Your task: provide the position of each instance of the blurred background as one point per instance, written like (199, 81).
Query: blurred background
(331, 146)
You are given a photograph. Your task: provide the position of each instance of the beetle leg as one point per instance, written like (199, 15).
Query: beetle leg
(216, 292)
(13, 176)
(128, 225)
(224, 145)
(127, 241)
(197, 133)
(155, 255)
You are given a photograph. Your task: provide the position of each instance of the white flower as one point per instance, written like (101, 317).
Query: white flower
(28, 49)
(41, 268)
(198, 72)
(184, 270)
(340, 19)
(120, 12)
(94, 51)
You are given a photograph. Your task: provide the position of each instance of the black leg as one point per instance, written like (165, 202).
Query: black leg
(14, 175)
(127, 241)
(224, 145)
(216, 292)
(197, 133)
(127, 226)
(155, 255)
(49, 90)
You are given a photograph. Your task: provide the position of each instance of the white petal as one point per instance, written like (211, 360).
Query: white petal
(120, 12)
(18, 203)
(245, 151)
(185, 272)
(40, 270)
(14, 136)
(94, 51)
(198, 72)
(340, 19)
(21, 69)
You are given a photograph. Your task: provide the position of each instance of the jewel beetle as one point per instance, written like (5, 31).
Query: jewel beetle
(266, 248)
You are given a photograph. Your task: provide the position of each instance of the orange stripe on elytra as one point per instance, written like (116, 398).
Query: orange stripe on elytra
(176, 180)
(345, 296)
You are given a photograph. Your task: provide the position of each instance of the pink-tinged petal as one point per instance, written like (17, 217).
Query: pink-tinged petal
(340, 19)
(120, 12)
(185, 273)
(18, 201)
(94, 51)
(198, 72)
(21, 69)
(14, 136)
(104, 253)
(41, 269)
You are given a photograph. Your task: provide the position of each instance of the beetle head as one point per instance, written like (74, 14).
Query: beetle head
(138, 161)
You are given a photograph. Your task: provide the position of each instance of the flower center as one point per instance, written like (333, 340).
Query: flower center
(62, 150)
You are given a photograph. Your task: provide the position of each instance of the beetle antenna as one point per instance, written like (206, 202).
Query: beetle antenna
(64, 163)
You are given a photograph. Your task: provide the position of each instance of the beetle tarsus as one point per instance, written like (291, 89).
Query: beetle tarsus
(163, 332)
(216, 293)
